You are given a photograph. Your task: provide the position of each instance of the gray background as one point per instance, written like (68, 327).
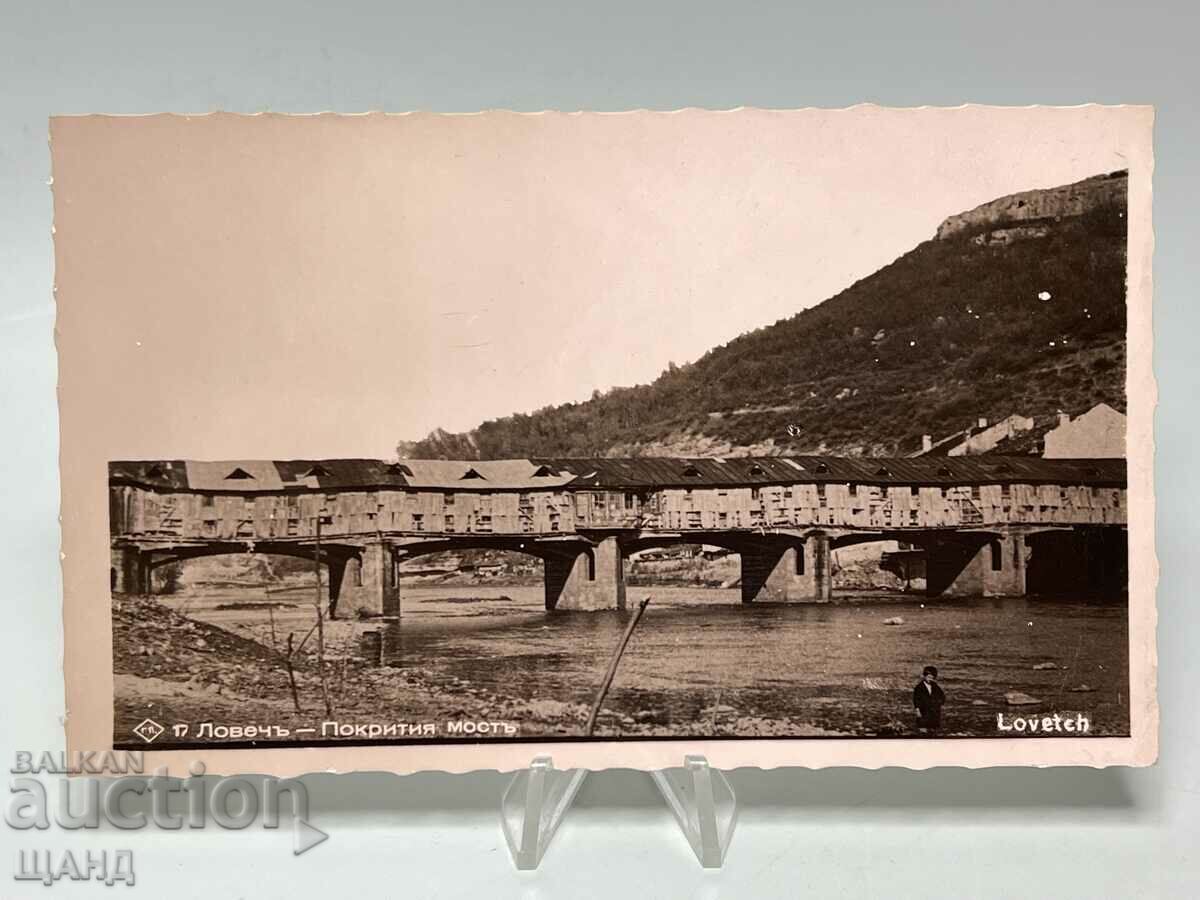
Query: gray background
(951, 833)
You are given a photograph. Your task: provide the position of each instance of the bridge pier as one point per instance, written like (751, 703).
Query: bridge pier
(366, 585)
(986, 566)
(130, 571)
(589, 579)
(777, 572)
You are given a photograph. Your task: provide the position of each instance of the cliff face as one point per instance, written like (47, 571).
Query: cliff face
(1017, 306)
(1052, 204)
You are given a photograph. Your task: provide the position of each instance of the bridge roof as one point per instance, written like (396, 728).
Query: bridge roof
(481, 474)
(762, 470)
(256, 476)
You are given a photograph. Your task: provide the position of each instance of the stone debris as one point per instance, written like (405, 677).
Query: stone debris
(1082, 689)
(894, 620)
(1045, 665)
(1017, 698)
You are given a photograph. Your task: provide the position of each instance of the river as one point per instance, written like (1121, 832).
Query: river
(700, 661)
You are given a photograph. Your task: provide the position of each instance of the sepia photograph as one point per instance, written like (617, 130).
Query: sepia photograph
(798, 427)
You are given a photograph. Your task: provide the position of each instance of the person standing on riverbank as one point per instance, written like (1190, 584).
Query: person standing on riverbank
(928, 698)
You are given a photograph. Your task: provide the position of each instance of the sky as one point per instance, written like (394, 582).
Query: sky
(324, 286)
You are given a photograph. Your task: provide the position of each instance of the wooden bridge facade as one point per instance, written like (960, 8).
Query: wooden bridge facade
(979, 519)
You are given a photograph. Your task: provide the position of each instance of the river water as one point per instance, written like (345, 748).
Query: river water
(700, 662)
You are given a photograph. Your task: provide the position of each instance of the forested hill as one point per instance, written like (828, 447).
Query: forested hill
(1017, 306)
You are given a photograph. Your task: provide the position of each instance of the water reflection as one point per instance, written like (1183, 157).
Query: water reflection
(702, 663)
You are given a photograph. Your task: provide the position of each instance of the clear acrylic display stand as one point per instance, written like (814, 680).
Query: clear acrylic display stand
(537, 799)
(533, 807)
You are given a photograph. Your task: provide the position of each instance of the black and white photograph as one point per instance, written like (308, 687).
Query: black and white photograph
(559, 428)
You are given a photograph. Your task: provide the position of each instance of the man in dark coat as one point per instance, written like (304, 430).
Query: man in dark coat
(928, 698)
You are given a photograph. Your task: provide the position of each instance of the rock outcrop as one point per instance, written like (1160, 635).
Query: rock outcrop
(998, 216)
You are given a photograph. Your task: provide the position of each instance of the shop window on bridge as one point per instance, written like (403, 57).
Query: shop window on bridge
(997, 554)
(631, 501)
(722, 519)
(693, 519)
(450, 523)
(448, 499)
(418, 521)
(755, 493)
(483, 523)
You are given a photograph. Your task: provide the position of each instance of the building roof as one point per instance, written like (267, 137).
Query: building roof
(640, 473)
(264, 475)
(652, 472)
(482, 474)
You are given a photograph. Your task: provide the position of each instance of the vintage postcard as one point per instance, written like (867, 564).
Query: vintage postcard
(813, 437)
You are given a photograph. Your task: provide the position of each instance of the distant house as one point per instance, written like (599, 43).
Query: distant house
(980, 438)
(1097, 434)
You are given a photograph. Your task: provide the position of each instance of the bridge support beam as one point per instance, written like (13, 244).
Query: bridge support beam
(130, 571)
(968, 568)
(781, 573)
(588, 580)
(366, 586)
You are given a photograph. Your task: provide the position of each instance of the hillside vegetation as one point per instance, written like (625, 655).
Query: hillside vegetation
(1018, 307)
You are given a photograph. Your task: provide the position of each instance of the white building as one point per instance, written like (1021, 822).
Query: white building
(1097, 434)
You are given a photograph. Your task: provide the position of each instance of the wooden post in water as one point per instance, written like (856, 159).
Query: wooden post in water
(321, 620)
(612, 668)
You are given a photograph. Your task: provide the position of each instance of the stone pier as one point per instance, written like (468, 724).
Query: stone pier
(366, 584)
(786, 572)
(587, 579)
(977, 566)
(130, 573)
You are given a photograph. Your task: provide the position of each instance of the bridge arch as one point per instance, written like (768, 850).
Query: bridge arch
(132, 568)
(1079, 561)
(330, 553)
